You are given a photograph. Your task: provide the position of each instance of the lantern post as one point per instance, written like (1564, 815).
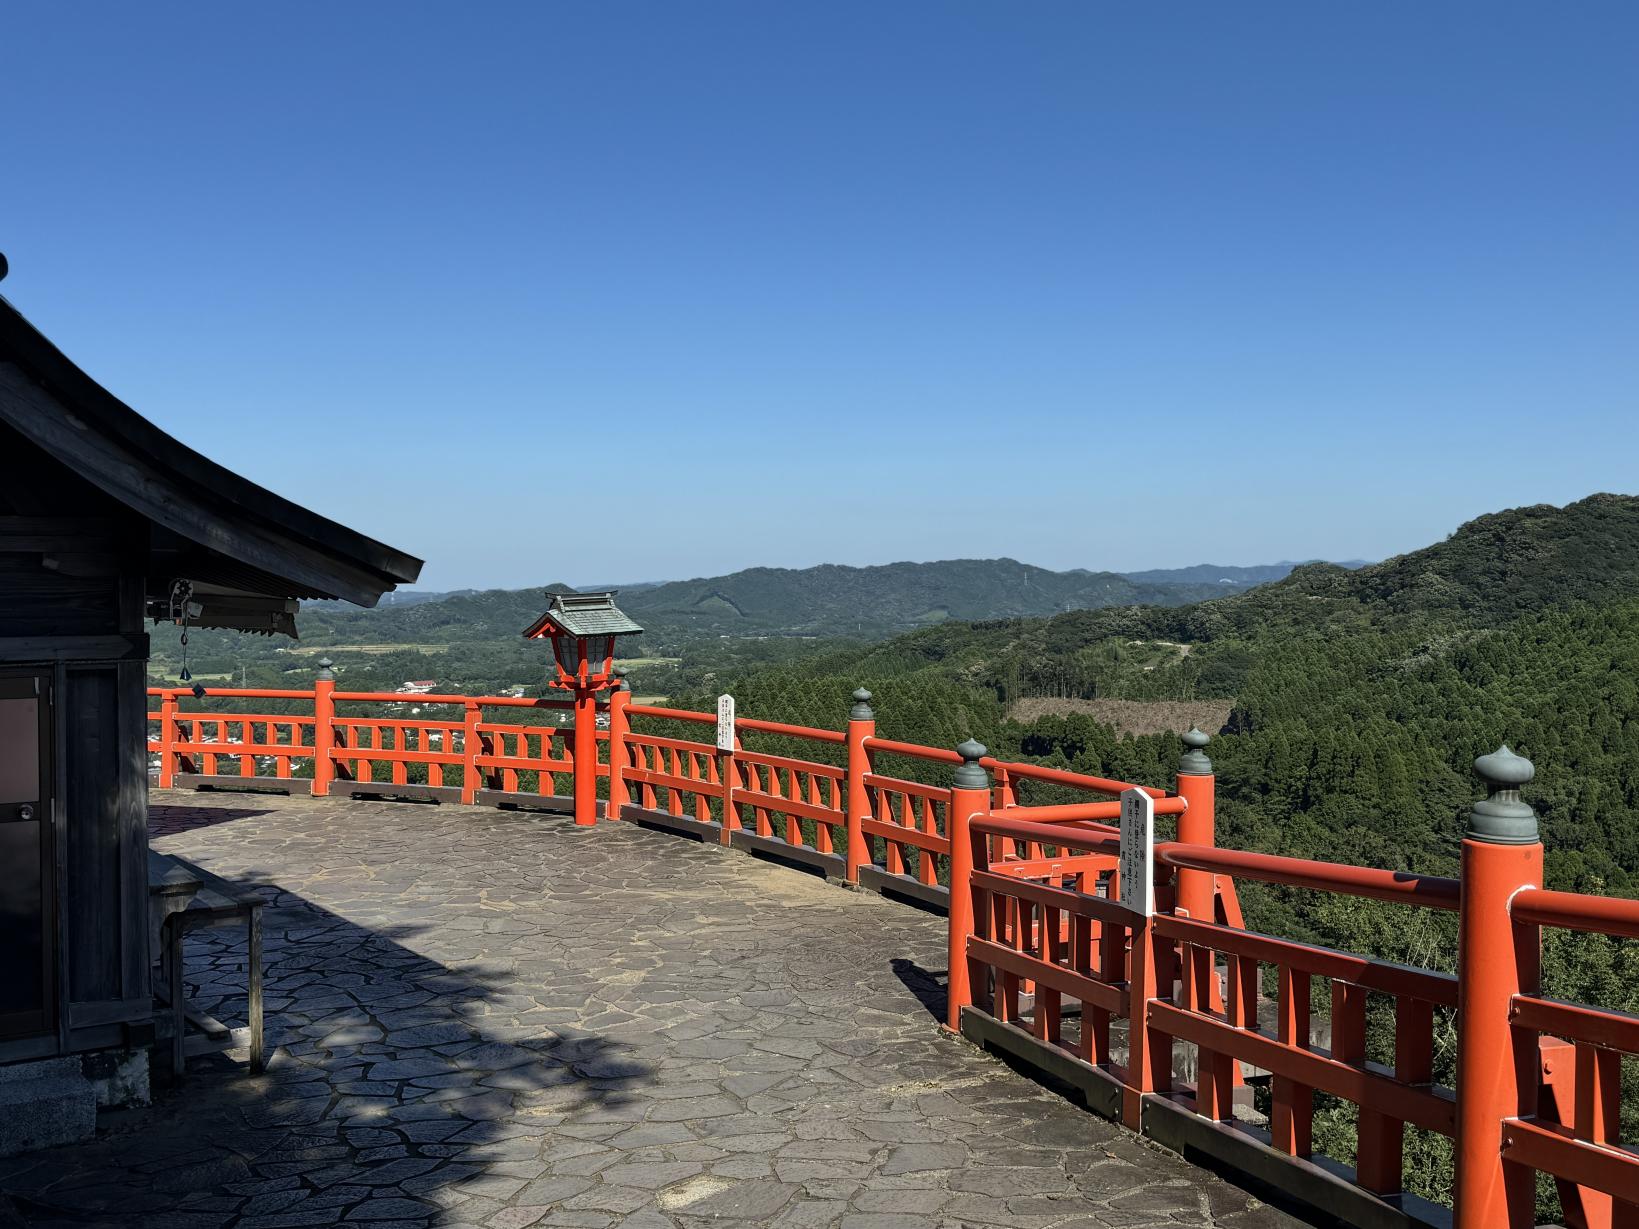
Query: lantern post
(583, 628)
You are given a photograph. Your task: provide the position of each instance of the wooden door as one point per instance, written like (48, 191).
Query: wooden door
(27, 918)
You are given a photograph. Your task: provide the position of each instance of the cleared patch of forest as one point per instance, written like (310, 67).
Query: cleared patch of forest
(1130, 716)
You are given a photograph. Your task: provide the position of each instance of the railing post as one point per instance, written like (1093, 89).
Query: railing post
(324, 729)
(1496, 959)
(167, 740)
(472, 746)
(619, 723)
(586, 757)
(861, 725)
(969, 796)
(1197, 894)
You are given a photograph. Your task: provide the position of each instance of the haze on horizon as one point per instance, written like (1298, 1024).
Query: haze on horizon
(550, 291)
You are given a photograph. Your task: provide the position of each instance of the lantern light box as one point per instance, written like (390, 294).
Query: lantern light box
(582, 627)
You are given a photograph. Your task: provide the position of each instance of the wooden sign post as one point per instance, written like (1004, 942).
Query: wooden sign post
(725, 723)
(1138, 851)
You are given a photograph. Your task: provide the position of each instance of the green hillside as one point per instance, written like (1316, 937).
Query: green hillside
(694, 630)
(832, 600)
(1491, 570)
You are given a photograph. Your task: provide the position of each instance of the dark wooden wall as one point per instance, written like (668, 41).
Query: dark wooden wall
(72, 569)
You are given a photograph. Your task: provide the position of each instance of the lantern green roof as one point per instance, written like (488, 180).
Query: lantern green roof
(583, 614)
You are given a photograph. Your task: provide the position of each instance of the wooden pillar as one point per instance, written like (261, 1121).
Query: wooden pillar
(861, 725)
(324, 729)
(1496, 959)
(619, 723)
(969, 797)
(586, 757)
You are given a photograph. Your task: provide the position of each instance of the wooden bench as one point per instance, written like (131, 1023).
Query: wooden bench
(184, 898)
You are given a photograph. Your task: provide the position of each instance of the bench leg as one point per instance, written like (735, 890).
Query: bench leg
(253, 945)
(173, 948)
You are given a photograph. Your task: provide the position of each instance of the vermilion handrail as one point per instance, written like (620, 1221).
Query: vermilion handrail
(1028, 772)
(1396, 887)
(915, 751)
(741, 723)
(1078, 812)
(790, 731)
(394, 697)
(1075, 780)
(1607, 915)
(1088, 840)
(670, 714)
(244, 693)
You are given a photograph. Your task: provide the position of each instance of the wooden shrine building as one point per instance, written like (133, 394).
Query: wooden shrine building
(106, 522)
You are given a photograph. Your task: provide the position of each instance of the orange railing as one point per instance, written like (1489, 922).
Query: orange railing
(354, 742)
(1179, 1022)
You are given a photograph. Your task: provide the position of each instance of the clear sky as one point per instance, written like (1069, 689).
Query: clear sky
(640, 291)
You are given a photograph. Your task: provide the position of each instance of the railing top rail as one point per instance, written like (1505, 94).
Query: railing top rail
(1075, 780)
(1397, 887)
(1091, 839)
(1013, 768)
(394, 697)
(374, 697)
(790, 731)
(915, 751)
(763, 759)
(1607, 915)
(1081, 812)
(243, 693)
(191, 718)
(671, 744)
(752, 724)
(898, 785)
(671, 714)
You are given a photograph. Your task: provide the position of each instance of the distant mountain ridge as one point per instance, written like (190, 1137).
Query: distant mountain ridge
(833, 599)
(828, 600)
(1488, 572)
(1229, 575)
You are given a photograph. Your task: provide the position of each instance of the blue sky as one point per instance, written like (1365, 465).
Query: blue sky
(629, 291)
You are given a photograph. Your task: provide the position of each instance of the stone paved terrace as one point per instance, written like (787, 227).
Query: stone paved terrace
(485, 1018)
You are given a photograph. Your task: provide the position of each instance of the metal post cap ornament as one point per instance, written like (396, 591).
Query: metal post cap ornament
(1502, 817)
(325, 672)
(861, 711)
(1194, 760)
(970, 774)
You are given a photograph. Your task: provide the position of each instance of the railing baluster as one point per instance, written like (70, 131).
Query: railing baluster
(1293, 1104)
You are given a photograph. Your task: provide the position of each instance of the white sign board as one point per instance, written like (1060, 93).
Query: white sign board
(1138, 851)
(725, 723)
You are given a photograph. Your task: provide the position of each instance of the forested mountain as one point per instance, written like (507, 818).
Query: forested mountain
(1489, 571)
(829, 600)
(834, 600)
(694, 630)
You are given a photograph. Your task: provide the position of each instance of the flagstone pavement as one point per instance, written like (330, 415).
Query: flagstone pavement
(488, 1018)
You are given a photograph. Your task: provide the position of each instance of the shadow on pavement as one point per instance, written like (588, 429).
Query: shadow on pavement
(393, 1090)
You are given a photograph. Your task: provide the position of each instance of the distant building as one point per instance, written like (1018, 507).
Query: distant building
(416, 687)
